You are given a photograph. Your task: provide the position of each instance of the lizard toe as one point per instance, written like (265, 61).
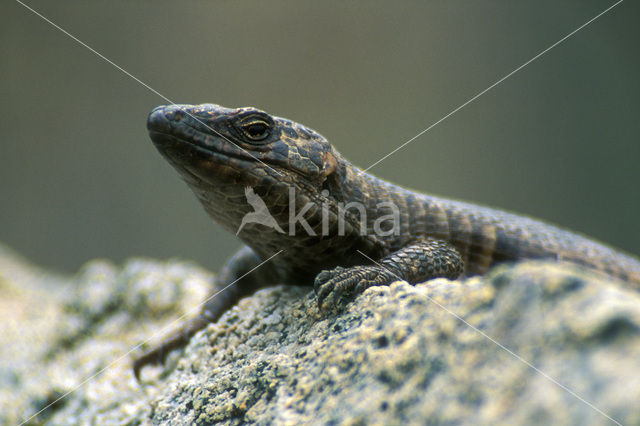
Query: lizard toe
(349, 281)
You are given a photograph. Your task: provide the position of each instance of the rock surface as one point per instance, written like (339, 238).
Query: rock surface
(533, 343)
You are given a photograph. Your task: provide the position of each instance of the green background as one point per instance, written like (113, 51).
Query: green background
(79, 177)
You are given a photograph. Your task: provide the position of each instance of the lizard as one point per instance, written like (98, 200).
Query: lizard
(350, 229)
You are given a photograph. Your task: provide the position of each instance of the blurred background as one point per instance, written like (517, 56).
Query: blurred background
(80, 179)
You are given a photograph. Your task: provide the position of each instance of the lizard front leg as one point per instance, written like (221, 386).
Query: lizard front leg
(239, 277)
(415, 263)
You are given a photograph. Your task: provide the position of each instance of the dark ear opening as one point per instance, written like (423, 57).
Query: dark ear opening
(329, 164)
(331, 180)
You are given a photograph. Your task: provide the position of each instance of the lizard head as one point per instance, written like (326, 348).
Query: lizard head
(221, 151)
(240, 145)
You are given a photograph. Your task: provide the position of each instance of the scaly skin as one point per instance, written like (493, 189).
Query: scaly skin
(220, 152)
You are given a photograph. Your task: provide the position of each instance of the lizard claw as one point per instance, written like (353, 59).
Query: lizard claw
(325, 282)
(340, 281)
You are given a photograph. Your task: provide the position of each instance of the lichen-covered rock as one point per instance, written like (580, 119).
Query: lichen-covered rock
(533, 343)
(66, 342)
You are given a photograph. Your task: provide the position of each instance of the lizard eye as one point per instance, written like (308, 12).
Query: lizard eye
(256, 130)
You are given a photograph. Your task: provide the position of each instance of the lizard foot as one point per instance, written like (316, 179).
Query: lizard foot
(158, 354)
(336, 282)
